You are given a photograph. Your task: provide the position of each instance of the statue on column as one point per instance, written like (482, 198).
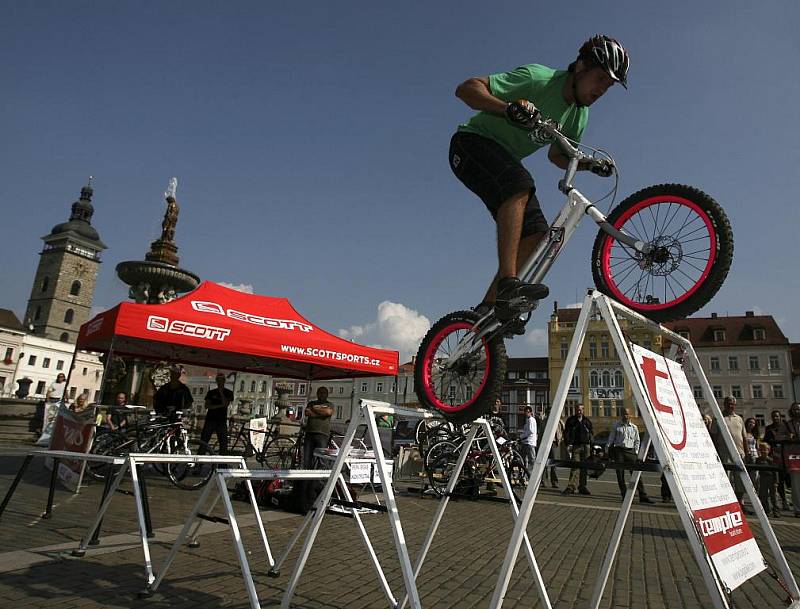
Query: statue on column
(171, 215)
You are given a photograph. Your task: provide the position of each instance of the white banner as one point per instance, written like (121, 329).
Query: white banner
(702, 481)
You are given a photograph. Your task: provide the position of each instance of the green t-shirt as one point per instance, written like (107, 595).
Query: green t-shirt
(543, 87)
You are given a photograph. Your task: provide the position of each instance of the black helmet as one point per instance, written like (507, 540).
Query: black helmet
(608, 53)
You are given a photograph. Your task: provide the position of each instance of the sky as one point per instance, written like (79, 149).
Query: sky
(310, 144)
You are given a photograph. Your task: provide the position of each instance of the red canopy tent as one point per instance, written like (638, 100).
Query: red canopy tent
(217, 326)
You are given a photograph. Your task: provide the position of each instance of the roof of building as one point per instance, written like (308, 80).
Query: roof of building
(570, 314)
(527, 363)
(9, 320)
(739, 330)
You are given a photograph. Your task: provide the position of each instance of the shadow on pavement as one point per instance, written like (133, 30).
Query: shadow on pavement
(658, 532)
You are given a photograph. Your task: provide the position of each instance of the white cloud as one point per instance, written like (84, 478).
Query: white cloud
(396, 327)
(536, 339)
(574, 305)
(247, 288)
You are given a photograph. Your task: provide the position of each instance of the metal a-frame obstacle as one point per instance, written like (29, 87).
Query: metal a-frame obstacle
(596, 303)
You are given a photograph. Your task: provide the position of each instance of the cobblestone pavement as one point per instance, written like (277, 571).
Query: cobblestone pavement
(655, 568)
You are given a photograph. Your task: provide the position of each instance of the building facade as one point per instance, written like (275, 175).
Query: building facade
(63, 287)
(11, 336)
(599, 382)
(527, 383)
(747, 357)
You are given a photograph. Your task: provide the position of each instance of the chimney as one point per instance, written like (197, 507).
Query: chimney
(749, 313)
(713, 316)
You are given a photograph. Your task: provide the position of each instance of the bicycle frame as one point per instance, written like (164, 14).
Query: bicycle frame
(561, 230)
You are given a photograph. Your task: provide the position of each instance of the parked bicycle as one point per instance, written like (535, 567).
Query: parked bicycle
(663, 252)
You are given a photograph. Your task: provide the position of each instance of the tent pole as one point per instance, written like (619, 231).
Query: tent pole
(69, 375)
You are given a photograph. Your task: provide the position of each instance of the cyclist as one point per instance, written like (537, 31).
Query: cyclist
(486, 152)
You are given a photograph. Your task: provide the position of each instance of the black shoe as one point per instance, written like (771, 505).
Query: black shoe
(515, 328)
(514, 296)
(645, 499)
(569, 491)
(584, 491)
(483, 308)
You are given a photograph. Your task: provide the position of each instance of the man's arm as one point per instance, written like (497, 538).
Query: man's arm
(611, 437)
(561, 160)
(320, 410)
(475, 92)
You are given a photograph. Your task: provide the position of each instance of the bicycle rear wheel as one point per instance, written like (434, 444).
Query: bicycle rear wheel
(692, 252)
(187, 476)
(466, 388)
(106, 444)
(440, 463)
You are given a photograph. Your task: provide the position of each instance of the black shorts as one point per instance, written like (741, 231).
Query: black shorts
(492, 173)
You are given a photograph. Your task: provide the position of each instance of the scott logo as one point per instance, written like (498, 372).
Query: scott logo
(250, 318)
(186, 328)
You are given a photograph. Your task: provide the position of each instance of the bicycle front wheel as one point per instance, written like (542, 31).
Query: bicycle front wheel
(692, 252)
(464, 389)
(187, 476)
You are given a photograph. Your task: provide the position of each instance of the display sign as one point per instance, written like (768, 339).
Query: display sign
(72, 432)
(701, 479)
(258, 432)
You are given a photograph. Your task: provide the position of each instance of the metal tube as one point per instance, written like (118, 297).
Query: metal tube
(109, 479)
(53, 477)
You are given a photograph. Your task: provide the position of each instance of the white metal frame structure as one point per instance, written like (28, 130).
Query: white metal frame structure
(131, 463)
(597, 303)
(477, 426)
(365, 415)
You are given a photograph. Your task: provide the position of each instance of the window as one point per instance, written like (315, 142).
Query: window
(379, 387)
(263, 386)
(604, 350)
(46, 362)
(758, 392)
(512, 376)
(753, 362)
(575, 384)
(684, 334)
(719, 336)
(777, 392)
(96, 395)
(620, 407)
(759, 334)
(85, 371)
(45, 284)
(60, 364)
(698, 392)
(338, 411)
(75, 288)
(9, 353)
(564, 349)
(593, 353)
(619, 379)
(38, 313)
(32, 360)
(72, 392)
(394, 387)
(606, 408)
(760, 419)
(736, 391)
(341, 389)
(717, 391)
(241, 385)
(252, 386)
(39, 388)
(606, 378)
(64, 338)
(733, 362)
(301, 389)
(68, 316)
(774, 362)
(594, 380)
(595, 408)
(714, 361)
(364, 387)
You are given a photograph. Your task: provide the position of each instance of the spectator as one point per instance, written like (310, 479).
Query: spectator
(735, 425)
(173, 396)
(767, 482)
(708, 421)
(752, 438)
(776, 434)
(80, 404)
(116, 418)
(528, 438)
(623, 446)
(495, 420)
(216, 402)
(578, 435)
(56, 390)
(318, 415)
(793, 425)
(558, 443)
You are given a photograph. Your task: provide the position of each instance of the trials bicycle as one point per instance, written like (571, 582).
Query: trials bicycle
(663, 252)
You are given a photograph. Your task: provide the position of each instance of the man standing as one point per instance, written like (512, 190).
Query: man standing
(56, 390)
(556, 450)
(528, 438)
(172, 396)
(793, 425)
(317, 427)
(217, 401)
(578, 435)
(623, 447)
(486, 152)
(116, 417)
(735, 425)
(776, 434)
